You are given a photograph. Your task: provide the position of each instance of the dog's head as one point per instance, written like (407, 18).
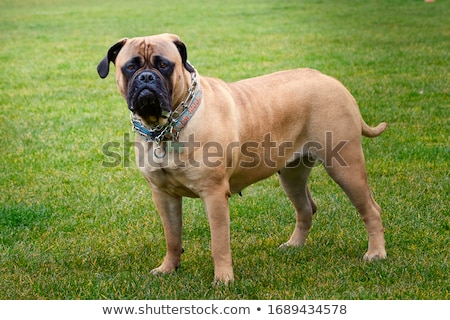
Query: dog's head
(152, 74)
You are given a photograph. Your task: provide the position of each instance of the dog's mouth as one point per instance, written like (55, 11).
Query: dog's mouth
(151, 105)
(147, 103)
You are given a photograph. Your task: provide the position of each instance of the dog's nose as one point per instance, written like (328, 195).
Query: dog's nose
(146, 77)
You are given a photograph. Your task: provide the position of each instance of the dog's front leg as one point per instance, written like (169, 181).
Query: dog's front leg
(216, 206)
(169, 208)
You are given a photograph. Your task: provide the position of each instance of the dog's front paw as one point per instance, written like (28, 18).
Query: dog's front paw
(160, 271)
(291, 244)
(222, 281)
(223, 277)
(165, 268)
(376, 255)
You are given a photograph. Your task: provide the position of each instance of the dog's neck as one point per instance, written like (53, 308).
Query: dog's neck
(177, 120)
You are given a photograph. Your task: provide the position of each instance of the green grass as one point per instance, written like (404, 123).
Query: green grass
(72, 229)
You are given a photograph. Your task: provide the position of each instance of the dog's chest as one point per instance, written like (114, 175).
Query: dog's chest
(166, 169)
(172, 181)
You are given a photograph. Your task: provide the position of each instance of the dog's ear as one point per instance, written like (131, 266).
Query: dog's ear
(103, 66)
(183, 52)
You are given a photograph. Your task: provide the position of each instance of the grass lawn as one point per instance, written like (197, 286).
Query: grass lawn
(71, 228)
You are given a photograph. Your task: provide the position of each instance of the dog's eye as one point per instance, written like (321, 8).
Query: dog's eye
(131, 67)
(163, 65)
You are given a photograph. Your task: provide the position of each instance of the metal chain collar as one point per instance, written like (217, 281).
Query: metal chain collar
(177, 118)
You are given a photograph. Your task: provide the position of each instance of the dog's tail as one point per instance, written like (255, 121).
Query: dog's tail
(370, 132)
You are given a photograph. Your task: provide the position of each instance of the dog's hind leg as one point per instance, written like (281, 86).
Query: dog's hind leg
(293, 179)
(351, 176)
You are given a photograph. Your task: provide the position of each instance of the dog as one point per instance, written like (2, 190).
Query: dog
(205, 138)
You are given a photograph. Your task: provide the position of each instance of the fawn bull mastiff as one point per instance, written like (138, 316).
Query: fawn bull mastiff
(202, 137)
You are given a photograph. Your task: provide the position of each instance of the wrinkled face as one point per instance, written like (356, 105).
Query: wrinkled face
(152, 74)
